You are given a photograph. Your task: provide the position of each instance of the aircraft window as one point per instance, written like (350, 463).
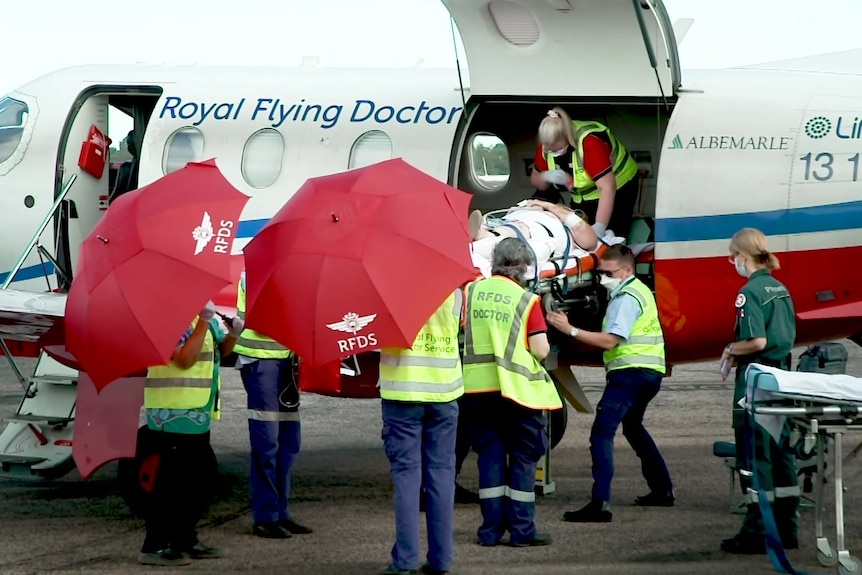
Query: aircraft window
(184, 145)
(13, 119)
(262, 158)
(514, 22)
(370, 148)
(489, 161)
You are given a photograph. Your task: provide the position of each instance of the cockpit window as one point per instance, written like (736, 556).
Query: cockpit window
(13, 118)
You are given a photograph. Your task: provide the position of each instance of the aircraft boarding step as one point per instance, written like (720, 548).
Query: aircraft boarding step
(37, 439)
(7, 460)
(54, 379)
(31, 418)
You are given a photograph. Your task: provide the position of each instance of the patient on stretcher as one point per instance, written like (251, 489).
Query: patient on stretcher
(551, 230)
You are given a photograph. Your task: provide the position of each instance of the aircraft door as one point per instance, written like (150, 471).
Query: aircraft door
(85, 154)
(568, 48)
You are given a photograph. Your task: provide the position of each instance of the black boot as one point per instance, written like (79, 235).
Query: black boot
(787, 520)
(749, 540)
(595, 511)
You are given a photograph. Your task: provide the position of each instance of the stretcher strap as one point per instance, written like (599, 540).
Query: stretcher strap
(535, 279)
(774, 547)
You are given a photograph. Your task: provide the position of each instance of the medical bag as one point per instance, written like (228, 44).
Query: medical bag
(94, 153)
(830, 357)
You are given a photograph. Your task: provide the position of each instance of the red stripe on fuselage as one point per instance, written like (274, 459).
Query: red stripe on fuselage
(696, 298)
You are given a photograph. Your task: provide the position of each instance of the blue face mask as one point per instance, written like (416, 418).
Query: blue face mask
(740, 268)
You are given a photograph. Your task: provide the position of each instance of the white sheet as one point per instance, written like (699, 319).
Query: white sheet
(484, 264)
(812, 386)
(818, 387)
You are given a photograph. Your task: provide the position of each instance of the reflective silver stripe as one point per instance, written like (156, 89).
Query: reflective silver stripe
(179, 382)
(635, 294)
(240, 314)
(646, 340)
(515, 330)
(420, 386)
(259, 415)
(416, 361)
(790, 491)
(492, 492)
(260, 344)
(468, 332)
(751, 496)
(507, 365)
(470, 356)
(522, 496)
(632, 360)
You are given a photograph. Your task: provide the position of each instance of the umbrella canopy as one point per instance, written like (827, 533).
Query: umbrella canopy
(357, 261)
(148, 266)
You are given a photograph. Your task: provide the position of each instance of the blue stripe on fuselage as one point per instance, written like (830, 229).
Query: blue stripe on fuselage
(29, 272)
(828, 218)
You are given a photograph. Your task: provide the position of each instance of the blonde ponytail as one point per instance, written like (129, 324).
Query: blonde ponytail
(556, 126)
(752, 242)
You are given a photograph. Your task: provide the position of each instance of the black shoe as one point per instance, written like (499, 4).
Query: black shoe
(592, 512)
(393, 570)
(744, 545)
(478, 541)
(270, 531)
(655, 499)
(538, 540)
(464, 495)
(163, 558)
(295, 527)
(201, 551)
(428, 570)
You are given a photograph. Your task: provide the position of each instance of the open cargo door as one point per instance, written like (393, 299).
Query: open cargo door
(609, 48)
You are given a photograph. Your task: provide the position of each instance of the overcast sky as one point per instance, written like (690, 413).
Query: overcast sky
(39, 36)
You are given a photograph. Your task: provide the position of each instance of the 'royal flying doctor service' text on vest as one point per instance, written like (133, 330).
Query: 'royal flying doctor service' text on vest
(645, 346)
(583, 187)
(496, 357)
(430, 371)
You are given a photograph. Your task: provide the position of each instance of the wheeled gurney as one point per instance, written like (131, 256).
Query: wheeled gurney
(821, 406)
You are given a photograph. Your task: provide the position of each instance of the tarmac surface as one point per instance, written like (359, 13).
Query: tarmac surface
(341, 488)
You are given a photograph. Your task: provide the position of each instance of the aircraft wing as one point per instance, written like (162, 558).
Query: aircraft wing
(27, 315)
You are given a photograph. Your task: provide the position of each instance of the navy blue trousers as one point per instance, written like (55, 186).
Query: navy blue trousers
(509, 440)
(625, 399)
(274, 433)
(419, 441)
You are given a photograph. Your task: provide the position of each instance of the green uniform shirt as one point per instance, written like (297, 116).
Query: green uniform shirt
(763, 309)
(191, 420)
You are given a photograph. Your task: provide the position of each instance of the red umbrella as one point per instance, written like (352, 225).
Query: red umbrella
(148, 266)
(357, 260)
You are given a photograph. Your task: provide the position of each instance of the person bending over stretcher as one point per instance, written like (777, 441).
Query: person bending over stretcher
(543, 225)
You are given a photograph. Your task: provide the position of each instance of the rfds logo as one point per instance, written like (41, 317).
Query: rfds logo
(676, 143)
(205, 232)
(352, 323)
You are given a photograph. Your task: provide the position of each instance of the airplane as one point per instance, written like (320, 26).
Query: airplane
(774, 146)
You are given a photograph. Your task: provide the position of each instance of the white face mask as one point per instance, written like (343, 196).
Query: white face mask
(740, 268)
(560, 152)
(610, 283)
(529, 274)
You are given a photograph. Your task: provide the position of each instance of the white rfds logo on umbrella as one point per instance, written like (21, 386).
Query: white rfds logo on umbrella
(353, 323)
(205, 232)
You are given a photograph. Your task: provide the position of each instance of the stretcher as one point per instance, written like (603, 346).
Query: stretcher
(562, 273)
(823, 407)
